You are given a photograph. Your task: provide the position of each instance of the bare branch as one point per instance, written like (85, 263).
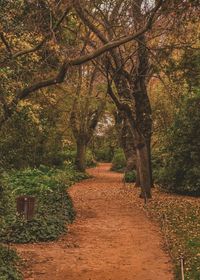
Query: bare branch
(88, 23)
(59, 78)
(43, 41)
(85, 58)
(5, 43)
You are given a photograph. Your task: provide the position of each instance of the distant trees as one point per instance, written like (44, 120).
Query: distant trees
(105, 140)
(127, 68)
(86, 111)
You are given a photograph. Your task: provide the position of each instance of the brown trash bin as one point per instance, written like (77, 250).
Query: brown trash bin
(26, 206)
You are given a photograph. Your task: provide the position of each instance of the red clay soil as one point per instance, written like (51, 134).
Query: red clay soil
(111, 238)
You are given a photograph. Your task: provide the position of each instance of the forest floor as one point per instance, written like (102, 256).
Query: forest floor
(111, 238)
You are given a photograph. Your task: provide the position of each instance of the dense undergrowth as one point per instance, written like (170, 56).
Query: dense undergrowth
(71, 156)
(53, 204)
(119, 165)
(53, 209)
(9, 262)
(118, 161)
(176, 163)
(130, 176)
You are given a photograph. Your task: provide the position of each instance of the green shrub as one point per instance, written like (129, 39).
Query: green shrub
(104, 154)
(157, 161)
(54, 207)
(90, 161)
(6, 200)
(53, 212)
(8, 264)
(130, 177)
(119, 161)
(180, 168)
(43, 141)
(57, 159)
(70, 156)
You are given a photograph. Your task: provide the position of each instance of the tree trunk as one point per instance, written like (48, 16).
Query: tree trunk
(143, 120)
(137, 184)
(80, 161)
(150, 162)
(150, 167)
(130, 160)
(143, 169)
(129, 151)
(126, 140)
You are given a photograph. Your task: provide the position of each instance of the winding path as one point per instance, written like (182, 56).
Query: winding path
(111, 239)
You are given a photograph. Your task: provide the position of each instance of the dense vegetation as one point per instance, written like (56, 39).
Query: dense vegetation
(53, 208)
(178, 162)
(81, 82)
(9, 262)
(53, 205)
(119, 161)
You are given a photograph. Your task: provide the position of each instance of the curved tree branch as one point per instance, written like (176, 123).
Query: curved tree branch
(40, 44)
(59, 78)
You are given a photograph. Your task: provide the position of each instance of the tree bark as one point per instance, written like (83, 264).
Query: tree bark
(127, 145)
(80, 161)
(137, 184)
(150, 162)
(150, 167)
(143, 169)
(126, 140)
(143, 116)
(130, 160)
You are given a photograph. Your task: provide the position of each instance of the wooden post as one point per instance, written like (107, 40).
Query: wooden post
(182, 269)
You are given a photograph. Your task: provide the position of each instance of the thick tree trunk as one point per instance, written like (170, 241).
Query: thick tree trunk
(80, 161)
(130, 160)
(126, 140)
(150, 167)
(143, 120)
(129, 151)
(139, 114)
(143, 169)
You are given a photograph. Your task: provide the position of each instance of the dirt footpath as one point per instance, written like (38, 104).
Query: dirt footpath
(111, 239)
